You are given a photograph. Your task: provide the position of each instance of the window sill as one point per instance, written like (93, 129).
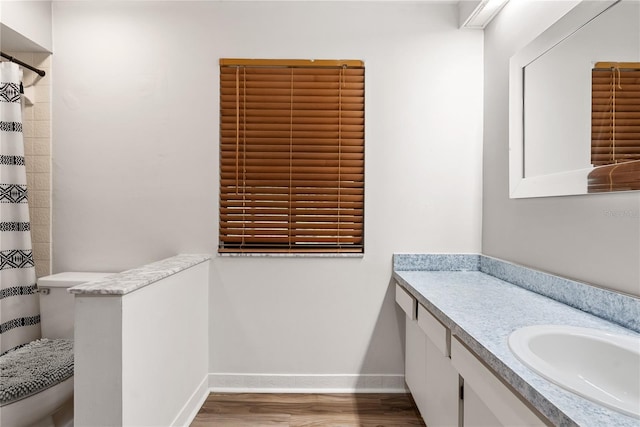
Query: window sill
(291, 255)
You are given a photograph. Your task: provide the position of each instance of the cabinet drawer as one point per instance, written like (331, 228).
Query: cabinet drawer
(434, 330)
(499, 399)
(406, 301)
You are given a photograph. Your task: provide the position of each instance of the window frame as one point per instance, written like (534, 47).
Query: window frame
(334, 230)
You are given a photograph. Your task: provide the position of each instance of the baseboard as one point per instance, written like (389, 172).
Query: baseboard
(193, 404)
(290, 383)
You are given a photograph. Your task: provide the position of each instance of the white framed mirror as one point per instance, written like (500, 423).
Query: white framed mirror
(551, 139)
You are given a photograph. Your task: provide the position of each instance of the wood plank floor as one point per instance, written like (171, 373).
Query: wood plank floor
(308, 410)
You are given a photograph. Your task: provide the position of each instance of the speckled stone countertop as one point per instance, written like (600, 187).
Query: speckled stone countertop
(132, 280)
(482, 310)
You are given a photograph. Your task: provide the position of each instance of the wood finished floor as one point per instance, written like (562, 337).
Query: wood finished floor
(308, 410)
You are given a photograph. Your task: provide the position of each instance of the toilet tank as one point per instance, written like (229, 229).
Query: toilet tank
(57, 305)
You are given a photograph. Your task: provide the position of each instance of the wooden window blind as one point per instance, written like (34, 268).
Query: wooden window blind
(291, 156)
(615, 127)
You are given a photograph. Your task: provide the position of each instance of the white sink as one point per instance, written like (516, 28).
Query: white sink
(600, 366)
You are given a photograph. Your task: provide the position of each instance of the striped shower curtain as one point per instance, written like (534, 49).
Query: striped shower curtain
(19, 304)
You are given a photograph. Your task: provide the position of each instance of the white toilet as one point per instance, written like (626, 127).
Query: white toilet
(52, 406)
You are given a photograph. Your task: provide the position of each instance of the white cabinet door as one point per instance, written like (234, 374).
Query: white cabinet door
(429, 374)
(415, 365)
(442, 392)
(476, 413)
(493, 395)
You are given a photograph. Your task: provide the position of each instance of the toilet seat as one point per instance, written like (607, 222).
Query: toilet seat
(34, 367)
(40, 380)
(29, 410)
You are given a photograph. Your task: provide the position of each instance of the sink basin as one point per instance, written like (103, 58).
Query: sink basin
(597, 365)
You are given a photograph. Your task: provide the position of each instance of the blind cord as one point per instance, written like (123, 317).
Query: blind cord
(244, 153)
(290, 159)
(340, 83)
(237, 125)
(611, 177)
(614, 71)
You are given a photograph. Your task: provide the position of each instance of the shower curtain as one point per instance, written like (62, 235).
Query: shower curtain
(19, 304)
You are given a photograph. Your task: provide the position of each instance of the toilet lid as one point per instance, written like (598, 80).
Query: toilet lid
(69, 279)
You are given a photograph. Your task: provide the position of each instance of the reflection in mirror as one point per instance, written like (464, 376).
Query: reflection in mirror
(576, 90)
(615, 127)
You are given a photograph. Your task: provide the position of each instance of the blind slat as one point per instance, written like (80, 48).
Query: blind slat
(284, 238)
(264, 190)
(228, 218)
(308, 144)
(229, 157)
(300, 229)
(286, 112)
(316, 212)
(286, 135)
(287, 128)
(622, 115)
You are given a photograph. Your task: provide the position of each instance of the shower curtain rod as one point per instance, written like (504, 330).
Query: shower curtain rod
(41, 73)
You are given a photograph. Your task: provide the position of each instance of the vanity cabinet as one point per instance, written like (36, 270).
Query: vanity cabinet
(487, 401)
(450, 385)
(429, 374)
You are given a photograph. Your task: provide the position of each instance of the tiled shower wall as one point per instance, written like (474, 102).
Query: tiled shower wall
(37, 145)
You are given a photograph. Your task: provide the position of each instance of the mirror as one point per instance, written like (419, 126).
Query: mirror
(575, 104)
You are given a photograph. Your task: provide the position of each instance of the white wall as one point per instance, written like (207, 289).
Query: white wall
(30, 22)
(135, 109)
(594, 238)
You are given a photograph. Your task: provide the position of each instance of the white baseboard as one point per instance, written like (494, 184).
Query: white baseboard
(193, 404)
(290, 383)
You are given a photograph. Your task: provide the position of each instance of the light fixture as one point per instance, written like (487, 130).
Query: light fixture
(477, 14)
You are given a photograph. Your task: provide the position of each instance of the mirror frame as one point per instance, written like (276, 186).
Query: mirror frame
(557, 184)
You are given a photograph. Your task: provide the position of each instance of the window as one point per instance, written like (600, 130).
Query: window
(615, 127)
(291, 156)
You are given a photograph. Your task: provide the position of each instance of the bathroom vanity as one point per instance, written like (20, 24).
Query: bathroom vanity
(460, 311)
